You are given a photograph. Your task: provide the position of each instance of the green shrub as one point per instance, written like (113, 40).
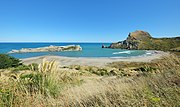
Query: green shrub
(145, 69)
(7, 61)
(21, 68)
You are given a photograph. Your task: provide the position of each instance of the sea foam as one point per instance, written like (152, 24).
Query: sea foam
(123, 52)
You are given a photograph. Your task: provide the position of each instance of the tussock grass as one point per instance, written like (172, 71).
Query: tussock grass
(35, 86)
(159, 89)
(46, 85)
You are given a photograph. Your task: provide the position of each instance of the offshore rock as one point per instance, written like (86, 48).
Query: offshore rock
(49, 49)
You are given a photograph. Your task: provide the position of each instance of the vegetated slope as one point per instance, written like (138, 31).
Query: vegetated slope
(157, 87)
(154, 84)
(144, 41)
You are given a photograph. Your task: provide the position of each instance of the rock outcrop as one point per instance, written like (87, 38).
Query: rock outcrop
(133, 40)
(141, 40)
(48, 49)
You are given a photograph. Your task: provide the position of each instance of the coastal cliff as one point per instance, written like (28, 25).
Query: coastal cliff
(48, 49)
(141, 40)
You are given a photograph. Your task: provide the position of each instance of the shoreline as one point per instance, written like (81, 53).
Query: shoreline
(94, 61)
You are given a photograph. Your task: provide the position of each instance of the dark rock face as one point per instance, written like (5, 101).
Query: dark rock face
(133, 40)
(103, 46)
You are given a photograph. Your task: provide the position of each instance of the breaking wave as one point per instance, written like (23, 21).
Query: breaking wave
(123, 52)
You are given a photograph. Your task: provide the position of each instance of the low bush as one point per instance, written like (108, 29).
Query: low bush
(7, 61)
(20, 68)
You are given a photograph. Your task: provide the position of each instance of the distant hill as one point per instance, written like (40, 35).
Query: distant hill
(141, 40)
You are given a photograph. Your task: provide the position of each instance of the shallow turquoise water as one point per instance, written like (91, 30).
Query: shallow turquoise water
(89, 50)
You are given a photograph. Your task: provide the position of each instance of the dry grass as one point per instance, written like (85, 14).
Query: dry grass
(160, 89)
(35, 87)
(60, 88)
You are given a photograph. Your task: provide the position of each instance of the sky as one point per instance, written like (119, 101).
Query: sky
(86, 20)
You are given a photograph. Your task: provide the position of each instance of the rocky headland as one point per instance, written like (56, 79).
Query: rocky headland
(49, 49)
(141, 40)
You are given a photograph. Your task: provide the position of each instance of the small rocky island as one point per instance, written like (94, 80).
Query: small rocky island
(49, 49)
(142, 40)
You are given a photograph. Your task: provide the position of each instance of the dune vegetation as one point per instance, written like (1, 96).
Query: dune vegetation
(118, 84)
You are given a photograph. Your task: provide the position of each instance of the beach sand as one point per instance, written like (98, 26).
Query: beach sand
(99, 62)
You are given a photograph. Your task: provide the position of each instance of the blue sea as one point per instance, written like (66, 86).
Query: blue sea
(89, 50)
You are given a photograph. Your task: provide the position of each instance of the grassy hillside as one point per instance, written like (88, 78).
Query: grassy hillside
(165, 44)
(118, 84)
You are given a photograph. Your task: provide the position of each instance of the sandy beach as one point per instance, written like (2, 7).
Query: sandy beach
(66, 61)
